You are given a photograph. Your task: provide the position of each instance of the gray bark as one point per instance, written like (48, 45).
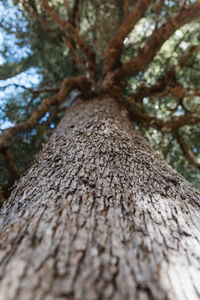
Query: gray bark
(99, 215)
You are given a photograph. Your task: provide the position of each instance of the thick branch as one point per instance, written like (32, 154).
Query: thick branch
(66, 26)
(157, 39)
(189, 155)
(76, 13)
(81, 83)
(68, 10)
(176, 123)
(115, 46)
(35, 93)
(52, 89)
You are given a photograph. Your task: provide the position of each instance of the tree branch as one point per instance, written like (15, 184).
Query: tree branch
(168, 78)
(68, 10)
(139, 116)
(165, 126)
(161, 85)
(32, 11)
(189, 155)
(74, 19)
(115, 46)
(177, 122)
(157, 39)
(69, 42)
(81, 83)
(72, 47)
(53, 89)
(67, 27)
(35, 93)
(126, 7)
(76, 14)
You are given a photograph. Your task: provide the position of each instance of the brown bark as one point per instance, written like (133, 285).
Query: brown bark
(99, 215)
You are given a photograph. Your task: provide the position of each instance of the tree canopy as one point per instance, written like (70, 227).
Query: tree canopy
(143, 53)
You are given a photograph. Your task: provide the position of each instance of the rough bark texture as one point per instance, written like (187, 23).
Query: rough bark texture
(100, 216)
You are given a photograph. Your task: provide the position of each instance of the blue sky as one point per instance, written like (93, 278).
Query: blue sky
(30, 78)
(1, 40)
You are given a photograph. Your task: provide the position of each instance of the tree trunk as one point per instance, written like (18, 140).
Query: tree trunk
(99, 215)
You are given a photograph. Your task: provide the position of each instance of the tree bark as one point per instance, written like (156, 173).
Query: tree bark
(99, 215)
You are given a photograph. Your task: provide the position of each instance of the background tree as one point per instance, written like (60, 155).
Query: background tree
(133, 218)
